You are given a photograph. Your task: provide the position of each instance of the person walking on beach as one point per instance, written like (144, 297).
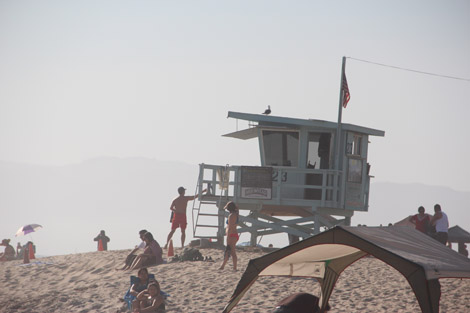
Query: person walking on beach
(441, 222)
(232, 235)
(19, 251)
(422, 221)
(178, 208)
(102, 240)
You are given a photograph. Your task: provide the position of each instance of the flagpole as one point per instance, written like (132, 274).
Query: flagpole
(340, 111)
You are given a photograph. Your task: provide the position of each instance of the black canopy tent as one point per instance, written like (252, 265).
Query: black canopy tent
(421, 259)
(461, 236)
(458, 234)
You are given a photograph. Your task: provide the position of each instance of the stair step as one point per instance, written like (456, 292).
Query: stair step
(209, 202)
(206, 237)
(213, 226)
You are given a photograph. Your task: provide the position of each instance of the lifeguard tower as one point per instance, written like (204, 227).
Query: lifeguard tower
(303, 185)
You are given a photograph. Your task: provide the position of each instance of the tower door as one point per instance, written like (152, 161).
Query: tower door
(319, 158)
(356, 172)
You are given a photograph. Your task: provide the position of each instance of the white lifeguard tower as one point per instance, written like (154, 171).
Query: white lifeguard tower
(302, 186)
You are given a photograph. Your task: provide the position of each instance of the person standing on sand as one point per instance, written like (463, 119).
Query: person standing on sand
(103, 239)
(232, 235)
(441, 222)
(422, 221)
(178, 208)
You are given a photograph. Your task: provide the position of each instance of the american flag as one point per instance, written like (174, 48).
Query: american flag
(346, 95)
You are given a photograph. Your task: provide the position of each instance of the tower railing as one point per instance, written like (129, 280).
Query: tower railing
(290, 186)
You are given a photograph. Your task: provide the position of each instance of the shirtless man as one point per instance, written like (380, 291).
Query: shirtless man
(178, 206)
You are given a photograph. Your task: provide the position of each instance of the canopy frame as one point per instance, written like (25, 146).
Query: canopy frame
(400, 247)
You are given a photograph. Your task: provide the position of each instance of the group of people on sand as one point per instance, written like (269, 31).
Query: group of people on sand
(147, 253)
(10, 254)
(436, 226)
(146, 291)
(146, 294)
(178, 220)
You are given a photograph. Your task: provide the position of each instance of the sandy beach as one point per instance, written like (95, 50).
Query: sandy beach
(88, 282)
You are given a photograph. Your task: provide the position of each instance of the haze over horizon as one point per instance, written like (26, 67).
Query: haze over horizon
(374, 179)
(85, 80)
(124, 195)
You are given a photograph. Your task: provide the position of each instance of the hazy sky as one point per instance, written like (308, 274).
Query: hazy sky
(83, 79)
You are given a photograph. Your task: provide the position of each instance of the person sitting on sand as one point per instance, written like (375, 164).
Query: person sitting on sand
(232, 235)
(142, 282)
(9, 253)
(131, 256)
(152, 254)
(299, 303)
(150, 300)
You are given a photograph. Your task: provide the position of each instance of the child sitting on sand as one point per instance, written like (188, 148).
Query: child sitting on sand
(150, 300)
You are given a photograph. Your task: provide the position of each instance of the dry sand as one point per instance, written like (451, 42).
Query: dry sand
(88, 282)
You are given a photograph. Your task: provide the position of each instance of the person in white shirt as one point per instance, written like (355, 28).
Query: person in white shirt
(131, 256)
(441, 222)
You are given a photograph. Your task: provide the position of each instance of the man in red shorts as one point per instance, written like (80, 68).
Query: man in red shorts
(178, 208)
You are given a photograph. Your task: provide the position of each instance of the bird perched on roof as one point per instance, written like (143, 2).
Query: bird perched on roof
(267, 111)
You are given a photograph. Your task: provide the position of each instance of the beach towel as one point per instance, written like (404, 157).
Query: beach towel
(36, 263)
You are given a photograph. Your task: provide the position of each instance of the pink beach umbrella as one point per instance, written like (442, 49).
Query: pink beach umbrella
(30, 228)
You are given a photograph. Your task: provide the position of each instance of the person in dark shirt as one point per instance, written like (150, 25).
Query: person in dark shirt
(141, 283)
(104, 241)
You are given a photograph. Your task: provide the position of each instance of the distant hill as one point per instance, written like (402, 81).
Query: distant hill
(123, 195)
